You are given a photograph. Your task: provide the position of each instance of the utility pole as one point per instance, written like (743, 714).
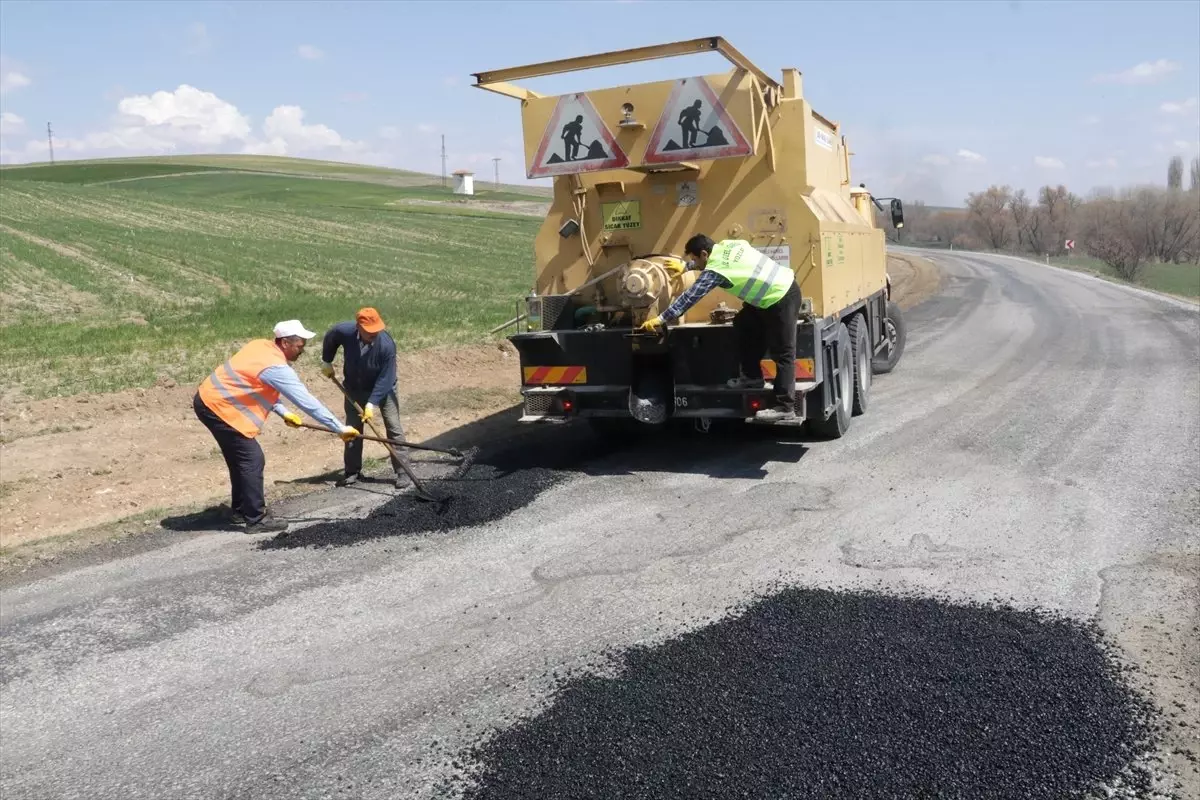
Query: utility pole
(443, 161)
(50, 139)
(497, 163)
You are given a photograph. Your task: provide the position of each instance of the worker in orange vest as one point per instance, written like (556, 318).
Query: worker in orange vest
(233, 403)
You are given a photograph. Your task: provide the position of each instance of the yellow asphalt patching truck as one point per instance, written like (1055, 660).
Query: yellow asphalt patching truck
(637, 170)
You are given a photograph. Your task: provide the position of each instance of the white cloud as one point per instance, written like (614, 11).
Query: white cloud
(1178, 108)
(1103, 163)
(192, 120)
(11, 79)
(1046, 162)
(968, 155)
(310, 52)
(389, 132)
(426, 128)
(11, 124)
(936, 160)
(184, 116)
(197, 40)
(1180, 144)
(287, 134)
(1146, 72)
(12, 75)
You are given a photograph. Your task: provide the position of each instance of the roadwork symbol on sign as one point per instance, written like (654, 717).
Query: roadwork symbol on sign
(576, 141)
(694, 124)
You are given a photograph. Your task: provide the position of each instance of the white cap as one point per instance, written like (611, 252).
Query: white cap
(292, 327)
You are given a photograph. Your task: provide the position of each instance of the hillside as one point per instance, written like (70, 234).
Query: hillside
(105, 170)
(134, 271)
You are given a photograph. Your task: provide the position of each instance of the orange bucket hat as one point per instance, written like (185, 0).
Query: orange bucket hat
(370, 320)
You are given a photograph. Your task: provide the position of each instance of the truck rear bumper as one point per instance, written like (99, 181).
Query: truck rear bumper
(570, 375)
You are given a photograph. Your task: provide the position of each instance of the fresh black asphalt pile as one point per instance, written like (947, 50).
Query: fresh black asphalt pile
(837, 695)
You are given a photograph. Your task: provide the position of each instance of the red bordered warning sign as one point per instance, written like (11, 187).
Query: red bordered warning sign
(576, 141)
(694, 125)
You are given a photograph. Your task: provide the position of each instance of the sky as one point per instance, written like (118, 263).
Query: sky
(937, 99)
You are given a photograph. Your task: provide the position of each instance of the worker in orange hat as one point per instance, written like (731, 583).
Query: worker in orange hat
(369, 376)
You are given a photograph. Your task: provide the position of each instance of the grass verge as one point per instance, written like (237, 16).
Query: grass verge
(1181, 280)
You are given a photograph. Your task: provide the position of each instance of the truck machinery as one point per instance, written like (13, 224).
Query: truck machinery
(639, 169)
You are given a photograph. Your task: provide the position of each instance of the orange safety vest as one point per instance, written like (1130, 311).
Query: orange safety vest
(234, 391)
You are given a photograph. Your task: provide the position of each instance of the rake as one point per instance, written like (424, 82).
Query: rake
(465, 459)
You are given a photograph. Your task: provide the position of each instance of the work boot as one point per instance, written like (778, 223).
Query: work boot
(348, 480)
(401, 481)
(237, 518)
(267, 524)
(776, 414)
(742, 382)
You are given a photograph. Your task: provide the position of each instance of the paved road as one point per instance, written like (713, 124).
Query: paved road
(1040, 442)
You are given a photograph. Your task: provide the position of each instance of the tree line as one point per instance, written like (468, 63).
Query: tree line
(1126, 229)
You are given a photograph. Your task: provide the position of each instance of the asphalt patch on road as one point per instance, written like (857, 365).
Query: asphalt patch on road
(496, 485)
(812, 693)
(505, 479)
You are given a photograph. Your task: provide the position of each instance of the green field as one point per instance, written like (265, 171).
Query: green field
(134, 169)
(118, 273)
(1177, 279)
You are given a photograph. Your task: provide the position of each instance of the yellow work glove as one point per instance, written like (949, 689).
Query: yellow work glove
(292, 419)
(651, 325)
(368, 412)
(349, 434)
(674, 268)
(327, 370)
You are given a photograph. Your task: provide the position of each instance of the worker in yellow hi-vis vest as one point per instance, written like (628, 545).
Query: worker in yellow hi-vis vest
(770, 307)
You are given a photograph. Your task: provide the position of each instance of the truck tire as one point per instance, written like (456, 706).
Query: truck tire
(896, 334)
(860, 347)
(838, 423)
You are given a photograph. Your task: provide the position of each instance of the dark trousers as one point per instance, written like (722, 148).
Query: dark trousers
(245, 460)
(773, 328)
(389, 410)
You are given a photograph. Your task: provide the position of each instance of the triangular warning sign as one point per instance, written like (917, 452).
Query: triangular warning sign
(576, 141)
(694, 125)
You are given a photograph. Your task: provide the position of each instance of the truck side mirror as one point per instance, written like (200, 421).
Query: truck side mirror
(897, 214)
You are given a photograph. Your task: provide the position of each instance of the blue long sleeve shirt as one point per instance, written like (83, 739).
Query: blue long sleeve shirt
(284, 379)
(366, 367)
(706, 281)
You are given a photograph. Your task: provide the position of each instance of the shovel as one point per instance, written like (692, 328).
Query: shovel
(465, 459)
(421, 491)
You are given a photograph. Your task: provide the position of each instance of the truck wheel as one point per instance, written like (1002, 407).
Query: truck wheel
(839, 421)
(896, 334)
(860, 346)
